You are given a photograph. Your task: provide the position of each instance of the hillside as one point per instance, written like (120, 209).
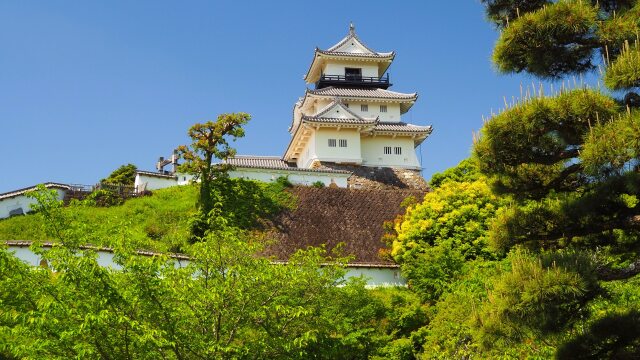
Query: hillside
(295, 217)
(158, 222)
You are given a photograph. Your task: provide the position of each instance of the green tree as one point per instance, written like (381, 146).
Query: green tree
(434, 238)
(569, 161)
(224, 302)
(210, 141)
(124, 175)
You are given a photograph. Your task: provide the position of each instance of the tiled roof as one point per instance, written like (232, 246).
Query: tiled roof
(156, 174)
(400, 126)
(272, 162)
(353, 121)
(354, 54)
(363, 93)
(48, 185)
(329, 216)
(352, 36)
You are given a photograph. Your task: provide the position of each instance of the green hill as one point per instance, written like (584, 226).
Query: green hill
(158, 222)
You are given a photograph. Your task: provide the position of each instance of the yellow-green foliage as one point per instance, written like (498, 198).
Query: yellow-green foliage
(457, 212)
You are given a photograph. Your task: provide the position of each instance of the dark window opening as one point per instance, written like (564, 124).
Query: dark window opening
(353, 73)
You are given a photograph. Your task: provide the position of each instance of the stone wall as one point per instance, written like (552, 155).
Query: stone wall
(381, 178)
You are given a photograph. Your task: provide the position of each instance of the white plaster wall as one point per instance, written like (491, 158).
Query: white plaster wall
(337, 68)
(392, 114)
(21, 201)
(295, 177)
(153, 182)
(373, 152)
(184, 179)
(375, 276)
(349, 154)
(308, 154)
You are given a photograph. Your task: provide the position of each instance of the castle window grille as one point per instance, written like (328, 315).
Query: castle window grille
(387, 150)
(343, 142)
(332, 142)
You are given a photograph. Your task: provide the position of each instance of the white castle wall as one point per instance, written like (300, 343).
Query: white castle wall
(337, 68)
(373, 152)
(295, 177)
(375, 276)
(349, 154)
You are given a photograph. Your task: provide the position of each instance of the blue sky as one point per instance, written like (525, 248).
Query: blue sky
(88, 86)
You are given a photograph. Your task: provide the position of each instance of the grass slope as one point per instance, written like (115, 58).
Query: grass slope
(158, 222)
(161, 222)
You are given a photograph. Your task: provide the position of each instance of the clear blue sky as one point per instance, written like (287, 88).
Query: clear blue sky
(88, 86)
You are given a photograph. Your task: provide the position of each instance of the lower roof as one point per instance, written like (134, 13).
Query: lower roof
(48, 185)
(273, 163)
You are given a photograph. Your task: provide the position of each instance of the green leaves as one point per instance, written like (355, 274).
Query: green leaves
(551, 42)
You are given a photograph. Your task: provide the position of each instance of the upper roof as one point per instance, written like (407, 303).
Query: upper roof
(48, 185)
(350, 48)
(406, 100)
(272, 163)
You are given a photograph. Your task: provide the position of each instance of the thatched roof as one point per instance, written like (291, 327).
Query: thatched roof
(333, 215)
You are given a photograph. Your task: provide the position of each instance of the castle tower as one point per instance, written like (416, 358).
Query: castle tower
(350, 117)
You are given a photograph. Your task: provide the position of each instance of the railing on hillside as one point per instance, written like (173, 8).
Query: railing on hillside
(79, 191)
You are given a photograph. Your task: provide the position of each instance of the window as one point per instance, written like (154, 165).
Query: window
(343, 142)
(353, 74)
(332, 142)
(345, 105)
(364, 107)
(383, 108)
(397, 150)
(387, 150)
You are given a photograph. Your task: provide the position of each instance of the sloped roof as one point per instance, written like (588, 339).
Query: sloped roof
(349, 48)
(156, 174)
(273, 163)
(328, 216)
(400, 126)
(363, 93)
(360, 48)
(48, 185)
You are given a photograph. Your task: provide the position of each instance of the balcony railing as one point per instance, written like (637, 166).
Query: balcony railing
(353, 80)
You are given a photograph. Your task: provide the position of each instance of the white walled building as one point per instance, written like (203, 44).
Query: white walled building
(347, 131)
(18, 203)
(351, 117)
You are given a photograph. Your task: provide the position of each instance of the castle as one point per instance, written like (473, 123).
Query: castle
(347, 131)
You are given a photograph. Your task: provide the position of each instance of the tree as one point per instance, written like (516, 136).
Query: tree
(211, 140)
(569, 161)
(225, 302)
(124, 175)
(434, 238)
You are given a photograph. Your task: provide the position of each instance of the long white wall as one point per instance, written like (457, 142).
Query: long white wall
(21, 202)
(375, 276)
(373, 152)
(295, 177)
(148, 182)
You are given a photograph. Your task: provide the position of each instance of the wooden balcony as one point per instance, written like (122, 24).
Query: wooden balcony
(353, 80)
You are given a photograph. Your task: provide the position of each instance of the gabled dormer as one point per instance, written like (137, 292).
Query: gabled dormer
(350, 63)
